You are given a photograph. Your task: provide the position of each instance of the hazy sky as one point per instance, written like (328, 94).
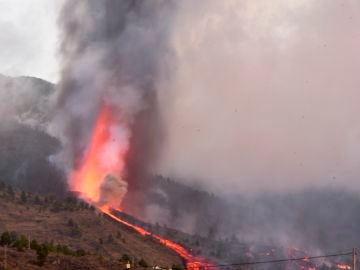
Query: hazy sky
(265, 95)
(29, 38)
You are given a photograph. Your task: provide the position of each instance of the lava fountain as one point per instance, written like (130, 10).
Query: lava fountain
(103, 165)
(104, 155)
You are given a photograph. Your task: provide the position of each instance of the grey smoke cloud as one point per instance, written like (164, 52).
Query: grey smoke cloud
(112, 52)
(265, 96)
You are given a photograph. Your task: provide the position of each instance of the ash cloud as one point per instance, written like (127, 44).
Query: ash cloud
(262, 101)
(264, 104)
(112, 52)
(265, 96)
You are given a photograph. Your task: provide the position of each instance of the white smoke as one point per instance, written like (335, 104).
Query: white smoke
(112, 191)
(265, 95)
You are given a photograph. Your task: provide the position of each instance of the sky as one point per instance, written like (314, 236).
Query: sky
(29, 39)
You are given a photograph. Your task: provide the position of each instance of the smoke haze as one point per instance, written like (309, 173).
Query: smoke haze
(265, 95)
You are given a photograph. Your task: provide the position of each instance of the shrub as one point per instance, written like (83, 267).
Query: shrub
(71, 223)
(42, 253)
(143, 263)
(176, 267)
(21, 243)
(5, 239)
(76, 231)
(23, 197)
(125, 258)
(80, 252)
(37, 200)
(34, 244)
(11, 192)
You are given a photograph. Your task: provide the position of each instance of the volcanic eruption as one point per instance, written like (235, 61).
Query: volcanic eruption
(108, 97)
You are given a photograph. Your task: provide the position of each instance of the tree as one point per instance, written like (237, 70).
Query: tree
(71, 223)
(125, 258)
(80, 252)
(23, 197)
(2, 185)
(10, 191)
(37, 200)
(42, 253)
(21, 243)
(76, 231)
(5, 239)
(143, 263)
(110, 238)
(34, 244)
(176, 267)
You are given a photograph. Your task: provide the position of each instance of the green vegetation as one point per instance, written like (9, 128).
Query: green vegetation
(125, 258)
(21, 243)
(23, 197)
(143, 263)
(42, 252)
(50, 202)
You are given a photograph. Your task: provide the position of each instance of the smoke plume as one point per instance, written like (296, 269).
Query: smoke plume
(262, 97)
(265, 96)
(112, 52)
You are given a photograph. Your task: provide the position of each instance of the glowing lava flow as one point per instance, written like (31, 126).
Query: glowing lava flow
(104, 156)
(192, 262)
(344, 266)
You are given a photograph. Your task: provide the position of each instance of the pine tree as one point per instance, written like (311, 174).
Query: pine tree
(23, 197)
(42, 253)
(11, 192)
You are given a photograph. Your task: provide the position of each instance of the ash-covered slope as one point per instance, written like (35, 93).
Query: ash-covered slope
(25, 145)
(104, 243)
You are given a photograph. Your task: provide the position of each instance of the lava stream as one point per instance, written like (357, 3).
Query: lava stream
(104, 157)
(192, 262)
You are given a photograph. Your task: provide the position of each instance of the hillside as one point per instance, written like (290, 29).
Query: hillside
(81, 228)
(26, 144)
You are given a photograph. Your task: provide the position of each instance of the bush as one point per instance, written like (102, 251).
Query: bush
(42, 253)
(50, 246)
(11, 192)
(125, 258)
(143, 263)
(5, 239)
(23, 197)
(37, 200)
(176, 267)
(21, 243)
(67, 251)
(76, 231)
(71, 223)
(80, 252)
(34, 244)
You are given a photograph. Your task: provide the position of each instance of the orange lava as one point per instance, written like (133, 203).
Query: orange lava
(344, 266)
(105, 155)
(192, 262)
(88, 178)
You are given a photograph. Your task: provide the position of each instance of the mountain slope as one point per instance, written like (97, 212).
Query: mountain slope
(80, 227)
